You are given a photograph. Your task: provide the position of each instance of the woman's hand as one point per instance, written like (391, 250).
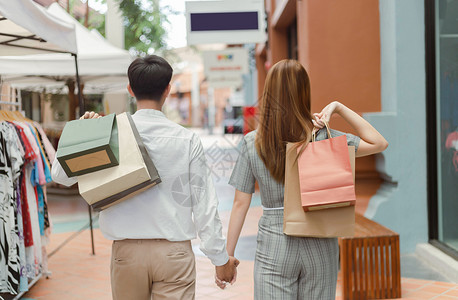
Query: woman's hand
(371, 140)
(325, 115)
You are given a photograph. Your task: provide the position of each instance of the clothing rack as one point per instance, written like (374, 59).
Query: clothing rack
(10, 103)
(32, 282)
(17, 98)
(15, 104)
(19, 296)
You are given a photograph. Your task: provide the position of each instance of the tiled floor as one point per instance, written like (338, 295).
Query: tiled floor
(425, 289)
(77, 274)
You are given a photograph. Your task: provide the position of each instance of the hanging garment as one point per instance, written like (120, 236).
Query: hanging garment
(10, 167)
(50, 151)
(38, 175)
(23, 282)
(33, 175)
(43, 149)
(33, 253)
(29, 157)
(25, 155)
(45, 164)
(27, 224)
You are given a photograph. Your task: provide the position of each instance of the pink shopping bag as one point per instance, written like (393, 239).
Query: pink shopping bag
(325, 174)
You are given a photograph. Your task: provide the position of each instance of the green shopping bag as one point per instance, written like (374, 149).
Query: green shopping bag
(89, 145)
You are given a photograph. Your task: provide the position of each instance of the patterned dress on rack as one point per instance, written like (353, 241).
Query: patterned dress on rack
(11, 162)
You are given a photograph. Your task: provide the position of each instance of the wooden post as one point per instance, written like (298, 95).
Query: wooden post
(72, 100)
(86, 17)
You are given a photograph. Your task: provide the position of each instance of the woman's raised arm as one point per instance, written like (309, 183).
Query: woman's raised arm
(371, 140)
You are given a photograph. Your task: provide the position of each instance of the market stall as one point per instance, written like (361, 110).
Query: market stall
(26, 28)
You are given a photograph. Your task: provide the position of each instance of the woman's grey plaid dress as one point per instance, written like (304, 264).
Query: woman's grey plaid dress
(285, 267)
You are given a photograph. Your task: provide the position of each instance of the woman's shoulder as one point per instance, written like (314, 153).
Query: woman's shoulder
(248, 140)
(250, 136)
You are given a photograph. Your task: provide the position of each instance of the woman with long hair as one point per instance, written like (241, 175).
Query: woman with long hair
(288, 267)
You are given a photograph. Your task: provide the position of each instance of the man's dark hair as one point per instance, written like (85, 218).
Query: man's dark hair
(149, 76)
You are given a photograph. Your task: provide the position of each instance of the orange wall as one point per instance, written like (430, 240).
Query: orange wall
(339, 44)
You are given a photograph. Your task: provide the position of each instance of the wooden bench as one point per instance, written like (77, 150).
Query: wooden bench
(370, 262)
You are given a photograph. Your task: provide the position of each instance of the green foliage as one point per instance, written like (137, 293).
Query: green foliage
(96, 19)
(144, 23)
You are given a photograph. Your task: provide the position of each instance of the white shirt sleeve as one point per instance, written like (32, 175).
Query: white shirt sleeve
(59, 176)
(205, 206)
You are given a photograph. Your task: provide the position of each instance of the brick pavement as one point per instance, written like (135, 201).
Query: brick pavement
(77, 274)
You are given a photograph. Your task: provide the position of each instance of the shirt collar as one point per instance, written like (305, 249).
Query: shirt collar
(150, 112)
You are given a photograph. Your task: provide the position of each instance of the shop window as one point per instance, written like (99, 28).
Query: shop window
(442, 73)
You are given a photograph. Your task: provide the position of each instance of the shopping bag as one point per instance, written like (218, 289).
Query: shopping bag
(325, 174)
(88, 145)
(324, 223)
(139, 188)
(135, 172)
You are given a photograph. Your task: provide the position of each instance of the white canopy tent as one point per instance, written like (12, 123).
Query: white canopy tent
(95, 55)
(27, 28)
(92, 84)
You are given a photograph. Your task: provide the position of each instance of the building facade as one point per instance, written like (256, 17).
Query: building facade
(395, 63)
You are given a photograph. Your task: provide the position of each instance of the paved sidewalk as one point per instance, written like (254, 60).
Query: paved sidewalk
(77, 274)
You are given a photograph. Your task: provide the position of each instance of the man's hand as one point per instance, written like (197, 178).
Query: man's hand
(226, 273)
(90, 115)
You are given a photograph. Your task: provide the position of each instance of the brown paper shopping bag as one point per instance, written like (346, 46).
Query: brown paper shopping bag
(334, 222)
(139, 188)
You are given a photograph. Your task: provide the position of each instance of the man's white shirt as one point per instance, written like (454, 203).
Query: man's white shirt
(184, 203)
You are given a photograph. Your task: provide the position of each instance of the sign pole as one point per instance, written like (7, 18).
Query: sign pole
(211, 109)
(81, 112)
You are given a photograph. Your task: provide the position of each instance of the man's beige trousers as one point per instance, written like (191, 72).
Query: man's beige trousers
(163, 269)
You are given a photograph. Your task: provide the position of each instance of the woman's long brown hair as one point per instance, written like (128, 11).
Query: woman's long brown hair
(284, 115)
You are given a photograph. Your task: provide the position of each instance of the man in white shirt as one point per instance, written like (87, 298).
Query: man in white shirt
(151, 232)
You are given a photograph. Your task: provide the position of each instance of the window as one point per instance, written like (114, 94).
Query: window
(442, 91)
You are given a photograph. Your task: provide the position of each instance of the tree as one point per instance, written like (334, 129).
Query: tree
(95, 19)
(144, 25)
(143, 22)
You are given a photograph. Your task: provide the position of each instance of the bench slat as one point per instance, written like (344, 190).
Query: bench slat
(370, 262)
(366, 249)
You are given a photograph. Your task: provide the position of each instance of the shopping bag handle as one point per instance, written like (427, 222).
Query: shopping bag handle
(327, 128)
(313, 139)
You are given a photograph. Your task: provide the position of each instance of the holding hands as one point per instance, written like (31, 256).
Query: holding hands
(226, 273)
